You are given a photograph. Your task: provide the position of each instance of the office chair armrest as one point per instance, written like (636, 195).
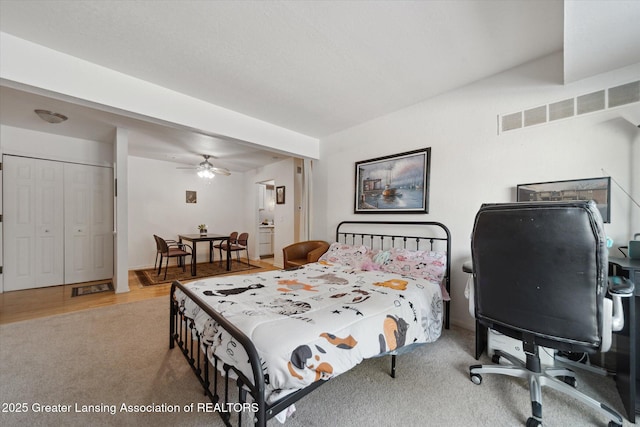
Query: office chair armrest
(469, 291)
(619, 287)
(472, 301)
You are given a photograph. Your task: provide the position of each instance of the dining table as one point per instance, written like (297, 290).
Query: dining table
(205, 237)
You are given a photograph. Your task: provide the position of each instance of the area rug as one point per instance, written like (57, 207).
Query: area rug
(91, 289)
(150, 276)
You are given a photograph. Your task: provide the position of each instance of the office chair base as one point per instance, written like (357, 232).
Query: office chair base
(560, 379)
(587, 366)
(532, 422)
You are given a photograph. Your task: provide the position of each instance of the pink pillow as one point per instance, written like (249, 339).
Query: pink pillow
(430, 265)
(342, 253)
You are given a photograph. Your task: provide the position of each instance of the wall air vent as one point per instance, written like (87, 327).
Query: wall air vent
(561, 109)
(624, 94)
(571, 107)
(512, 121)
(535, 116)
(590, 102)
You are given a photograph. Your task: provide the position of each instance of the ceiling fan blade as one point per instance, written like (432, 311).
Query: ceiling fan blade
(207, 166)
(220, 171)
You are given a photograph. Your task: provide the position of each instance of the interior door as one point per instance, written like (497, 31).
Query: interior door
(88, 223)
(33, 223)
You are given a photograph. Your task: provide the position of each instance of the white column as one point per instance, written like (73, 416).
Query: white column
(1, 225)
(121, 208)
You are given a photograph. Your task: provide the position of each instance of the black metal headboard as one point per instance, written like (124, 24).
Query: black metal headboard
(424, 235)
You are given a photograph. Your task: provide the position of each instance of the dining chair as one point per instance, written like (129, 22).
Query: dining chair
(232, 240)
(241, 244)
(173, 250)
(159, 250)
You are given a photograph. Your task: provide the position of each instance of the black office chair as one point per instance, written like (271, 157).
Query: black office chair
(540, 276)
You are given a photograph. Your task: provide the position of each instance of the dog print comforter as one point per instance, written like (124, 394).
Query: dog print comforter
(316, 322)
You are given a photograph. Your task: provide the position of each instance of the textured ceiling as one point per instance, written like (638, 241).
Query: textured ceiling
(312, 67)
(600, 36)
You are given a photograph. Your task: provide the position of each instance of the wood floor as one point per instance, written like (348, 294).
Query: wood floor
(34, 303)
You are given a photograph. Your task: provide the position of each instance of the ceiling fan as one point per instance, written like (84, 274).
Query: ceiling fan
(207, 170)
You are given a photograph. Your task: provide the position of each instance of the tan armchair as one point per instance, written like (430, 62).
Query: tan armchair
(301, 253)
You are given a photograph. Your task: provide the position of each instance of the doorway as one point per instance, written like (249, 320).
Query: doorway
(266, 225)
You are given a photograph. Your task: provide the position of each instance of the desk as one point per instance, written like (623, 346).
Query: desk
(481, 331)
(627, 343)
(209, 237)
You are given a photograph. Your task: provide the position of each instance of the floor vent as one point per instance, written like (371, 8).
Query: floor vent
(584, 104)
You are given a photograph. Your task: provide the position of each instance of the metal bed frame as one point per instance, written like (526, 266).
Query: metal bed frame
(217, 386)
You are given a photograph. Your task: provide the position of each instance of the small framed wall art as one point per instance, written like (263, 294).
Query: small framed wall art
(280, 195)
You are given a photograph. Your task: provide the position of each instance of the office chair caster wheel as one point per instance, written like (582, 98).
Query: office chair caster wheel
(495, 359)
(532, 422)
(476, 378)
(614, 424)
(569, 380)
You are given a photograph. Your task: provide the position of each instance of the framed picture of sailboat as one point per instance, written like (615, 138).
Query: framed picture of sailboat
(398, 183)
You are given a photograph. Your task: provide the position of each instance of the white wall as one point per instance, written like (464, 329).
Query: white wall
(472, 164)
(634, 186)
(157, 205)
(22, 142)
(228, 203)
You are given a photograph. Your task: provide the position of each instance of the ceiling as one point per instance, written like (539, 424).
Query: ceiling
(147, 139)
(314, 67)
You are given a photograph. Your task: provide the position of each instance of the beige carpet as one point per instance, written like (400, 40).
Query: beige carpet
(119, 354)
(150, 276)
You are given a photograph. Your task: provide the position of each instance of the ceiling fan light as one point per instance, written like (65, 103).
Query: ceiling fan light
(50, 116)
(205, 173)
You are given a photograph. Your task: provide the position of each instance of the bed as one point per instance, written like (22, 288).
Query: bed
(260, 342)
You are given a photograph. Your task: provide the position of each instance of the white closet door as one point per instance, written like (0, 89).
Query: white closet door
(33, 223)
(88, 223)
